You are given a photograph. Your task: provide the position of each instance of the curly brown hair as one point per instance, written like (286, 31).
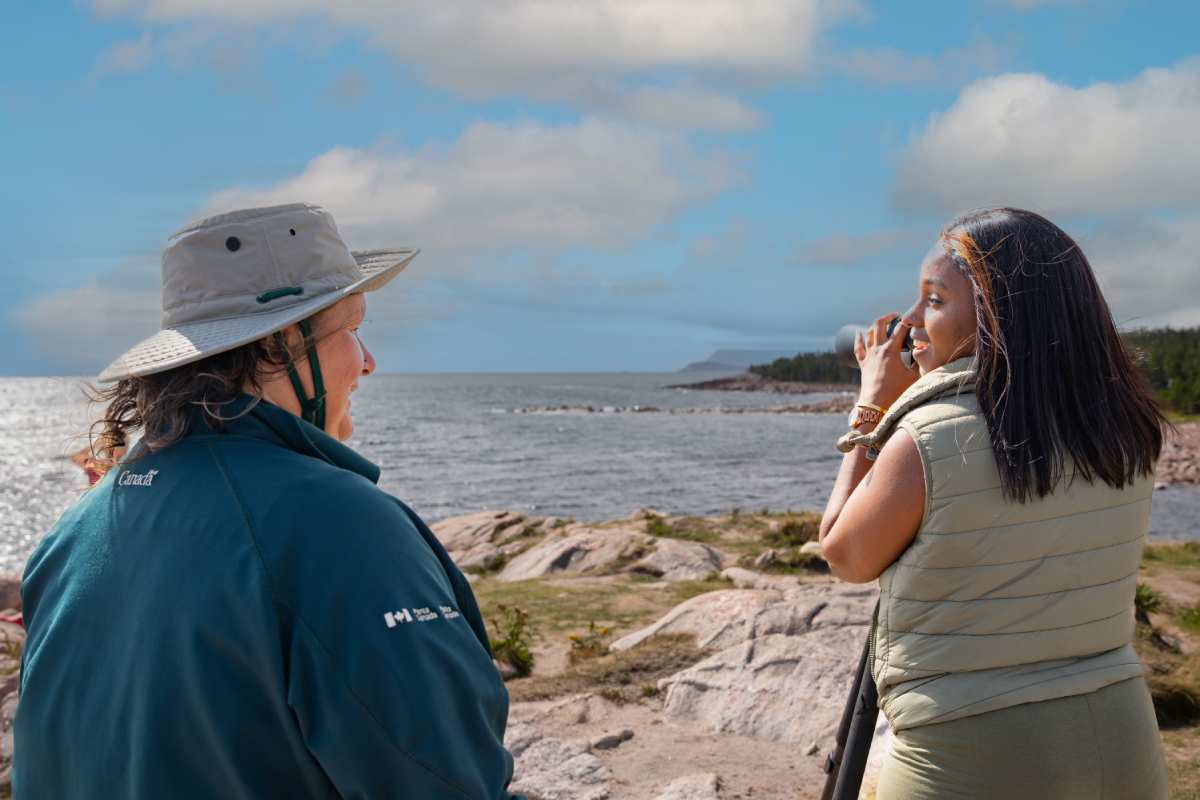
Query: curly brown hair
(161, 405)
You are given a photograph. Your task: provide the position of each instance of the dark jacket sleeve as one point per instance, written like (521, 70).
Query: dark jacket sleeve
(391, 682)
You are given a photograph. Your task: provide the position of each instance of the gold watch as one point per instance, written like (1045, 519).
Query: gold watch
(863, 413)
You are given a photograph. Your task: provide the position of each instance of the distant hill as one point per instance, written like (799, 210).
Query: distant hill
(735, 360)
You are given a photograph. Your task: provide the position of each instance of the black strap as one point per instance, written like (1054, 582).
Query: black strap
(312, 410)
(845, 766)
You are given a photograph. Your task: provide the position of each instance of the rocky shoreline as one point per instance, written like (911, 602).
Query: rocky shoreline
(841, 404)
(749, 382)
(1179, 463)
(708, 658)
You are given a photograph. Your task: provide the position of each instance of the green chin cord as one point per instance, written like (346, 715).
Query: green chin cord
(311, 409)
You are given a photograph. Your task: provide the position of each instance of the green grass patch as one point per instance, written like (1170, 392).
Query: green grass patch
(620, 677)
(691, 529)
(686, 590)
(1183, 554)
(556, 608)
(560, 607)
(1189, 619)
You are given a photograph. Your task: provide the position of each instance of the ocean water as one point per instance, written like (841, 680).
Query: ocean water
(454, 444)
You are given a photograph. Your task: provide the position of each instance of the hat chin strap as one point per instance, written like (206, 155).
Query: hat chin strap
(311, 409)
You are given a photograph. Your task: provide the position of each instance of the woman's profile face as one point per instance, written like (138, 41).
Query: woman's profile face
(344, 359)
(943, 318)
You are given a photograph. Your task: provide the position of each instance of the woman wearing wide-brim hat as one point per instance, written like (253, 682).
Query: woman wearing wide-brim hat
(236, 610)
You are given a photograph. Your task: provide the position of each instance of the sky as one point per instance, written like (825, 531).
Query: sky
(595, 185)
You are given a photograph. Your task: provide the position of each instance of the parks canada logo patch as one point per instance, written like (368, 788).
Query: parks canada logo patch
(422, 614)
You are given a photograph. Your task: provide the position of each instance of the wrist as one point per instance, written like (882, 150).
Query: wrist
(864, 414)
(874, 399)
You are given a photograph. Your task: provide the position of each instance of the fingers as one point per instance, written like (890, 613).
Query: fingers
(860, 348)
(878, 332)
(896, 343)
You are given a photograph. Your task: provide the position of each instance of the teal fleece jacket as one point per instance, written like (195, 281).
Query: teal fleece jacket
(245, 614)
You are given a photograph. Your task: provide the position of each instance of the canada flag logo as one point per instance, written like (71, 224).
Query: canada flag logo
(394, 618)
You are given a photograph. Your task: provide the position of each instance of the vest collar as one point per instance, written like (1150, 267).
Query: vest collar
(952, 377)
(268, 422)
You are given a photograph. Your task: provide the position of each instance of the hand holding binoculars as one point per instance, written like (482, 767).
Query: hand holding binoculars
(843, 342)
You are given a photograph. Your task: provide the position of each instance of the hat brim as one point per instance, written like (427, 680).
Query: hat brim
(185, 344)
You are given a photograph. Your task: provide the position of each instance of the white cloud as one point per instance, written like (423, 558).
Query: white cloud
(479, 41)
(527, 186)
(1022, 139)
(71, 326)
(1149, 270)
(851, 249)
(681, 107)
(560, 50)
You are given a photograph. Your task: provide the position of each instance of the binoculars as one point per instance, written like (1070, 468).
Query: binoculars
(843, 342)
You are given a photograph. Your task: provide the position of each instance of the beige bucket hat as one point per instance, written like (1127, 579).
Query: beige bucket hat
(234, 278)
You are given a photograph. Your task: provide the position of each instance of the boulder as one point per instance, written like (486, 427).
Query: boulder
(676, 560)
(554, 769)
(579, 549)
(486, 556)
(778, 687)
(482, 556)
(461, 534)
(744, 578)
(704, 786)
(725, 618)
(716, 619)
(765, 559)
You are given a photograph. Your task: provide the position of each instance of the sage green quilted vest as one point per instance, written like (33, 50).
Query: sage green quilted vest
(997, 603)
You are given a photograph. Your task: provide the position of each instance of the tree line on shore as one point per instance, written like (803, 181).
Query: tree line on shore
(1169, 358)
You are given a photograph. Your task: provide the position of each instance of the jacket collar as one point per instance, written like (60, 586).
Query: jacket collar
(268, 422)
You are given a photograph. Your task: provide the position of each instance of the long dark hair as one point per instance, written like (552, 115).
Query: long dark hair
(1054, 378)
(161, 405)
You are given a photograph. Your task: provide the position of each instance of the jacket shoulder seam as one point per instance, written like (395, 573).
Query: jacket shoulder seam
(241, 504)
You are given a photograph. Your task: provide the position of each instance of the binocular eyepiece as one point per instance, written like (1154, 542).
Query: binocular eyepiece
(843, 342)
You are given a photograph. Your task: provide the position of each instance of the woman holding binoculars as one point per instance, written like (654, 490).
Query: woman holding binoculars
(1000, 491)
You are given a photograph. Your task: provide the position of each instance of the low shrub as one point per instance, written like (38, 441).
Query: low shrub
(795, 530)
(1146, 601)
(589, 645)
(513, 637)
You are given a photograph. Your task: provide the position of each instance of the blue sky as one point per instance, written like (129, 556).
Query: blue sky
(596, 185)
